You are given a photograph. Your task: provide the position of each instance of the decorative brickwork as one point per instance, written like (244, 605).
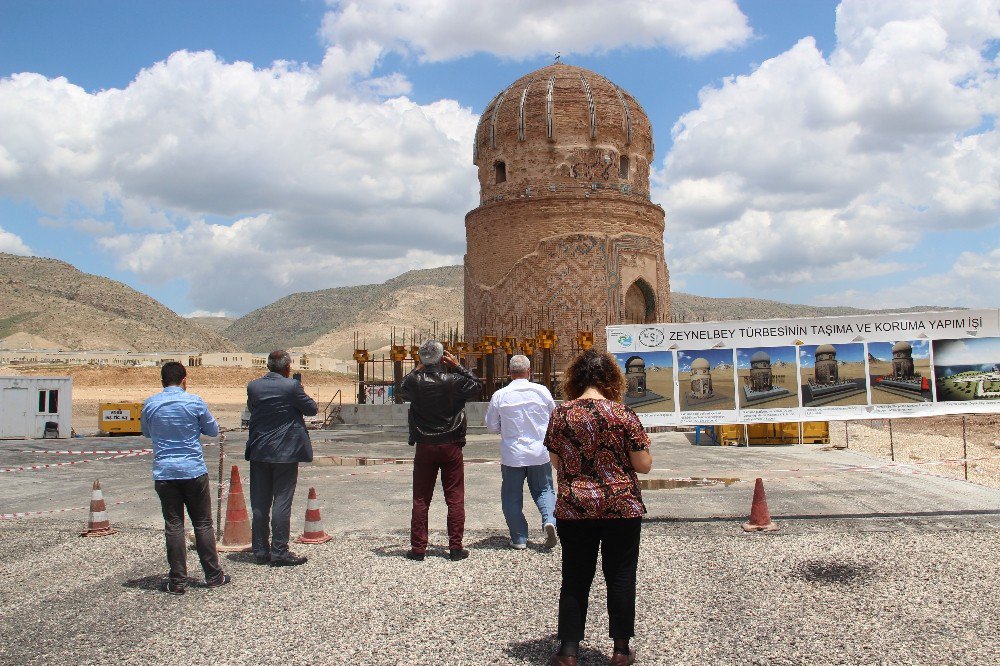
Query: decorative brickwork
(565, 227)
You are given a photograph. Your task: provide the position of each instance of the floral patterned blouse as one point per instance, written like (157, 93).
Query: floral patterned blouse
(593, 439)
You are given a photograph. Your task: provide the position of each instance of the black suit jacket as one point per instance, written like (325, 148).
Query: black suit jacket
(278, 432)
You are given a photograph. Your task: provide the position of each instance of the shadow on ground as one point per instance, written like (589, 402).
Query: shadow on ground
(538, 651)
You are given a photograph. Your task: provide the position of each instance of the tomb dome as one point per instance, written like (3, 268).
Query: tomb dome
(826, 349)
(760, 356)
(699, 364)
(635, 362)
(902, 345)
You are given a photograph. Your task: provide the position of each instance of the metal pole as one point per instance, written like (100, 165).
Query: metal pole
(965, 449)
(847, 437)
(218, 502)
(892, 450)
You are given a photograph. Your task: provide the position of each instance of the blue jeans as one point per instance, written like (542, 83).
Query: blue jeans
(539, 479)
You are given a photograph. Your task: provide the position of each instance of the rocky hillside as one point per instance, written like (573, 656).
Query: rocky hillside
(324, 322)
(214, 324)
(53, 300)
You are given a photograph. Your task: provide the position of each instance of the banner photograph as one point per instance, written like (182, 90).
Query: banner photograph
(824, 368)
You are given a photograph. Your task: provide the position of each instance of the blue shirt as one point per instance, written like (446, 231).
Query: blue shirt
(175, 420)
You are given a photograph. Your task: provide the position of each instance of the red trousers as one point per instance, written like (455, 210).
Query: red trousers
(427, 460)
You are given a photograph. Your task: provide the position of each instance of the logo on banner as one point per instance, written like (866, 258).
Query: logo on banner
(651, 337)
(625, 340)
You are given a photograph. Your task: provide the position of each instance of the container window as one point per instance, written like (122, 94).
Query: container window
(48, 402)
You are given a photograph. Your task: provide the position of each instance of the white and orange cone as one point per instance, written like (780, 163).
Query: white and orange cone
(98, 524)
(313, 532)
(236, 536)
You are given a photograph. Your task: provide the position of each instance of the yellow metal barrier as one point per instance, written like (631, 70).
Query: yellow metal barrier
(813, 432)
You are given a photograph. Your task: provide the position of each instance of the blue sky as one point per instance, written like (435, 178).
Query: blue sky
(715, 358)
(218, 156)
(883, 350)
(661, 359)
(849, 352)
(785, 354)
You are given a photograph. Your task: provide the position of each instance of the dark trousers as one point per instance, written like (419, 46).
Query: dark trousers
(193, 494)
(272, 487)
(427, 460)
(618, 540)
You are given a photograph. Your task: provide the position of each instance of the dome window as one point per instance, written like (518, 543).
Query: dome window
(623, 167)
(500, 172)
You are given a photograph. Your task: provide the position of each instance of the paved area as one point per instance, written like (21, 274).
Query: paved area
(873, 564)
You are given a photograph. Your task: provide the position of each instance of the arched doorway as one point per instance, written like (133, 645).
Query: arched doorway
(640, 303)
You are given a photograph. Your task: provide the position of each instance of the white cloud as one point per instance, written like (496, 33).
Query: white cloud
(329, 187)
(438, 30)
(13, 244)
(815, 169)
(238, 267)
(968, 282)
(206, 313)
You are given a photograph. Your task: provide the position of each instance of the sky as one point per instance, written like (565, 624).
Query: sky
(221, 155)
(848, 352)
(777, 354)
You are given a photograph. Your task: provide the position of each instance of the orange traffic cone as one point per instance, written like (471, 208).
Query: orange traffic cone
(98, 524)
(760, 517)
(313, 532)
(236, 534)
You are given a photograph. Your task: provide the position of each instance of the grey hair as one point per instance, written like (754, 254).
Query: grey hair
(519, 364)
(431, 352)
(279, 361)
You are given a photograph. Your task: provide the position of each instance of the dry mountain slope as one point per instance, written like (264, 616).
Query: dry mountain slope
(53, 300)
(324, 322)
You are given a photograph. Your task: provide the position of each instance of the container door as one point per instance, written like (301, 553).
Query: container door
(14, 413)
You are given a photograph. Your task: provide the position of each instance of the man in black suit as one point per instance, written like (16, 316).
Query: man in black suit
(278, 442)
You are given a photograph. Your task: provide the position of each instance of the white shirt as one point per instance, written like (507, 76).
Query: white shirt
(520, 413)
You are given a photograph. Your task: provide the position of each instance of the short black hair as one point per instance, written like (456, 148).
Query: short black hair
(172, 373)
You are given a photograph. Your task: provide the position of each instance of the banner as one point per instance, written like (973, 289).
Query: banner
(819, 369)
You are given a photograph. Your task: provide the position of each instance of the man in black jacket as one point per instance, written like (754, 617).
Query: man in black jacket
(437, 390)
(278, 442)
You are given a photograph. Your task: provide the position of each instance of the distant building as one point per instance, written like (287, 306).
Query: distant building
(826, 370)
(701, 379)
(29, 404)
(635, 377)
(760, 372)
(902, 360)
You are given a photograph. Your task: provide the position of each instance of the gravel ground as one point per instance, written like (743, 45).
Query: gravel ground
(931, 439)
(822, 592)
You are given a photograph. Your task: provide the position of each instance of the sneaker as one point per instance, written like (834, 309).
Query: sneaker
(517, 545)
(415, 556)
(218, 581)
(173, 588)
(289, 559)
(456, 554)
(550, 536)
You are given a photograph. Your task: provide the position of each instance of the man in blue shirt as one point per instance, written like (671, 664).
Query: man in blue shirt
(175, 420)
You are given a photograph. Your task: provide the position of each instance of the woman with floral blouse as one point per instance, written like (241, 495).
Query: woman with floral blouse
(597, 445)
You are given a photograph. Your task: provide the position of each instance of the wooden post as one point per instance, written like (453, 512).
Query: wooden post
(892, 450)
(965, 449)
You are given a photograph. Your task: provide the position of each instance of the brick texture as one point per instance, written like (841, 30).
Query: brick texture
(567, 227)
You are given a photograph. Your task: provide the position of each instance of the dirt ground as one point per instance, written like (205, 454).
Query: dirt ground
(922, 441)
(224, 389)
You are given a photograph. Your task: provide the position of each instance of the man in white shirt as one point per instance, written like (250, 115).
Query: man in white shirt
(520, 413)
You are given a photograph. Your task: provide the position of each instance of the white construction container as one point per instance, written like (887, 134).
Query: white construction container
(28, 403)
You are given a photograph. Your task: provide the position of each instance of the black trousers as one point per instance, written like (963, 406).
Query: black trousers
(272, 488)
(193, 494)
(618, 541)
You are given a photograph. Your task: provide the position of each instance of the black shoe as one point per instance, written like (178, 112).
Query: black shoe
(262, 559)
(456, 554)
(415, 556)
(218, 581)
(173, 588)
(288, 560)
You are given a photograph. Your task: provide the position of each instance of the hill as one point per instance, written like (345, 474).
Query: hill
(214, 324)
(324, 322)
(53, 300)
